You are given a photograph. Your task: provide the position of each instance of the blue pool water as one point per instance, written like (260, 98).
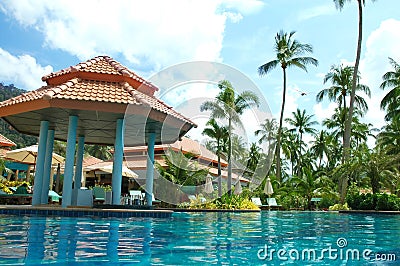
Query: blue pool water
(266, 238)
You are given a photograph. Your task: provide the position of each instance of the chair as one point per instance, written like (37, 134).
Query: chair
(136, 197)
(99, 194)
(272, 204)
(257, 201)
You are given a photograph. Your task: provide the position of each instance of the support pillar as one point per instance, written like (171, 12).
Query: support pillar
(117, 164)
(38, 182)
(69, 161)
(150, 168)
(78, 168)
(47, 167)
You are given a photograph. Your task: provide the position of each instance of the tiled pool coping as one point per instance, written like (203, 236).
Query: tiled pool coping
(82, 212)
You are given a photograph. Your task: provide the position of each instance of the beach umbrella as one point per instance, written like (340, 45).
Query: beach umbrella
(208, 188)
(268, 187)
(109, 169)
(238, 188)
(29, 154)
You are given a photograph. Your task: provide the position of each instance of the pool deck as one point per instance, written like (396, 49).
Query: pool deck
(57, 210)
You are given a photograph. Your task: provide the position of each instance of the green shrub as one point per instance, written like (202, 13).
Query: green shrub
(379, 202)
(387, 202)
(339, 207)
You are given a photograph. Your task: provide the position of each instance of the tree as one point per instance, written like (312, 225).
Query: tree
(254, 157)
(99, 151)
(347, 129)
(390, 101)
(319, 146)
(301, 123)
(341, 79)
(229, 106)
(219, 134)
(288, 54)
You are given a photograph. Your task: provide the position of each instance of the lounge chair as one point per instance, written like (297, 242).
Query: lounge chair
(99, 195)
(257, 201)
(272, 204)
(136, 197)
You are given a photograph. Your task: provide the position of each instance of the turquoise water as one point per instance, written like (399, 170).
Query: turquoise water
(303, 238)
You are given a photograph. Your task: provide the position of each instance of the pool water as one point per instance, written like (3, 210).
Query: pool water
(266, 238)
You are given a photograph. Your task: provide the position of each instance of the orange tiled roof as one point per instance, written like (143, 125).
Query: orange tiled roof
(90, 160)
(101, 65)
(96, 91)
(186, 145)
(5, 142)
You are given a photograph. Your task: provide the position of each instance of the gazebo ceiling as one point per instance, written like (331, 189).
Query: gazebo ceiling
(99, 91)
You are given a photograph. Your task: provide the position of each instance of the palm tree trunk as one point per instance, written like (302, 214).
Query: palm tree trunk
(229, 181)
(299, 158)
(219, 172)
(347, 129)
(278, 144)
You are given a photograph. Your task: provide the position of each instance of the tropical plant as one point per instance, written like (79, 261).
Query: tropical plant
(253, 157)
(311, 184)
(229, 106)
(99, 151)
(389, 137)
(181, 169)
(288, 54)
(390, 101)
(301, 123)
(341, 78)
(219, 134)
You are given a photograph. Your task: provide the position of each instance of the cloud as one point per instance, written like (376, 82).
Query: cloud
(149, 34)
(316, 11)
(23, 71)
(380, 44)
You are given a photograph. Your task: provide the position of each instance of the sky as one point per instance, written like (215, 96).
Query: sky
(38, 37)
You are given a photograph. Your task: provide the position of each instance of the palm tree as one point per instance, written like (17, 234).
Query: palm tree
(347, 132)
(319, 146)
(288, 54)
(253, 157)
(390, 102)
(301, 123)
(229, 106)
(99, 151)
(341, 78)
(218, 133)
(389, 137)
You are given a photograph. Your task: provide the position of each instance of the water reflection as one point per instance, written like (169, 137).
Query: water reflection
(202, 238)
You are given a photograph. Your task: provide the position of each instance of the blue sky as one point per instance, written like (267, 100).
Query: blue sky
(147, 36)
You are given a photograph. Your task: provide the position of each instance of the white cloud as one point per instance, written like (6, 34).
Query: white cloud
(150, 34)
(380, 44)
(23, 71)
(323, 112)
(316, 12)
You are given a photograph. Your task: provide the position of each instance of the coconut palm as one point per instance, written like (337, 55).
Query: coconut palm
(219, 134)
(229, 106)
(341, 78)
(390, 101)
(319, 146)
(301, 123)
(347, 132)
(288, 54)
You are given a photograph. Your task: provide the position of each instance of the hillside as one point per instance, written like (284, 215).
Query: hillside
(22, 140)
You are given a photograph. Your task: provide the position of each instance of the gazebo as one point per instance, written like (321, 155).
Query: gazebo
(100, 102)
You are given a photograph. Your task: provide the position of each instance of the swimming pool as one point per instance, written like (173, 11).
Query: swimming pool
(270, 238)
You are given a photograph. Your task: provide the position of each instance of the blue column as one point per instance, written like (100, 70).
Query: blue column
(37, 187)
(150, 168)
(78, 168)
(47, 167)
(117, 165)
(69, 161)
